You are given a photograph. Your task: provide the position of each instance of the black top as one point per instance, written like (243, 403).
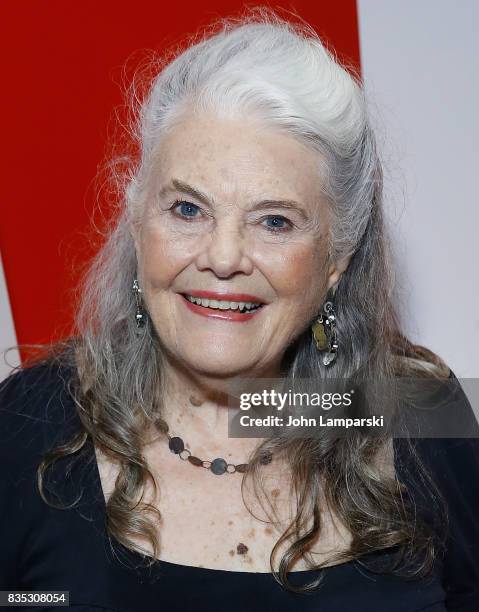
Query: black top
(43, 548)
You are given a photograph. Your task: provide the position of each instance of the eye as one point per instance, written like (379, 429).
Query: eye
(186, 210)
(278, 223)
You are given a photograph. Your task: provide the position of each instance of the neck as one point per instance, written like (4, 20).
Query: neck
(196, 408)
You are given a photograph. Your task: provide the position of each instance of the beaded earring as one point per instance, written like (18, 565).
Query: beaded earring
(139, 316)
(324, 333)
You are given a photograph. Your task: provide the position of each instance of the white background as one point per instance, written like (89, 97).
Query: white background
(420, 67)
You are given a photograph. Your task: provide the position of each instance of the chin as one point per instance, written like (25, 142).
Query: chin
(218, 368)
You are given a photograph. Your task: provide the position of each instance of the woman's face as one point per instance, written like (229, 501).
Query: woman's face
(232, 209)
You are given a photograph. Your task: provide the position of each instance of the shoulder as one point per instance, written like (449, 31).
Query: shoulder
(36, 408)
(451, 459)
(434, 403)
(445, 435)
(454, 465)
(36, 415)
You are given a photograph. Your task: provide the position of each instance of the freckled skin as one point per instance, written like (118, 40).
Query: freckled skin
(268, 530)
(275, 492)
(229, 247)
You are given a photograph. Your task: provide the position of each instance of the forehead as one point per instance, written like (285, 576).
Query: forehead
(233, 157)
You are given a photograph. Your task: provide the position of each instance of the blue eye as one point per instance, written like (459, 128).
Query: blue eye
(280, 224)
(186, 209)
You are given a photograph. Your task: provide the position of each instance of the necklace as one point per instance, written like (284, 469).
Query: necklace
(218, 466)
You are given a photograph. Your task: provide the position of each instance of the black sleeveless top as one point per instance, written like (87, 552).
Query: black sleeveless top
(49, 549)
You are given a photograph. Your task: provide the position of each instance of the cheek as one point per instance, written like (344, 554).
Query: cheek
(162, 258)
(297, 272)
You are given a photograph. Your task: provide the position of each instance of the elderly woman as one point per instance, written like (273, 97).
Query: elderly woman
(249, 244)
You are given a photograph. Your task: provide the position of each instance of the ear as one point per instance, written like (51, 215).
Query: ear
(335, 271)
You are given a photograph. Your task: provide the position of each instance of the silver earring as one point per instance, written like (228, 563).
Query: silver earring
(139, 316)
(324, 333)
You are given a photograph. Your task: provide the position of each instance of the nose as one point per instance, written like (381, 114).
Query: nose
(225, 252)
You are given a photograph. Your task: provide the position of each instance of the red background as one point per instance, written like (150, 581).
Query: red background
(62, 69)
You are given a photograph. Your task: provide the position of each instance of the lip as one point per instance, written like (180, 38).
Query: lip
(226, 315)
(229, 297)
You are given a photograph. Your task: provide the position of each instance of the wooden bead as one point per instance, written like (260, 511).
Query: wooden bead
(195, 460)
(242, 468)
(161, 425)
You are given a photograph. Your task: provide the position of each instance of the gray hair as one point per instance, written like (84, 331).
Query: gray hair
(281, 74)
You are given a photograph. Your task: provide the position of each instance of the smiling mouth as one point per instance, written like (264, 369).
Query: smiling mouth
(224, 305)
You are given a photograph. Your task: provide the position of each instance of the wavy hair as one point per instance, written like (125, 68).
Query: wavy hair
(264, 67)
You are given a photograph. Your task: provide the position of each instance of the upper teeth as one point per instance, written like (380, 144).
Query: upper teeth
(222, 304)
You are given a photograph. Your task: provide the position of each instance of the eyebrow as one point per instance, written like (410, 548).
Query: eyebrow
(182, 187)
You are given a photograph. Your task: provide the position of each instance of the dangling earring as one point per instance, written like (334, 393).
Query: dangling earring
(324, 333)
(139, 317)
